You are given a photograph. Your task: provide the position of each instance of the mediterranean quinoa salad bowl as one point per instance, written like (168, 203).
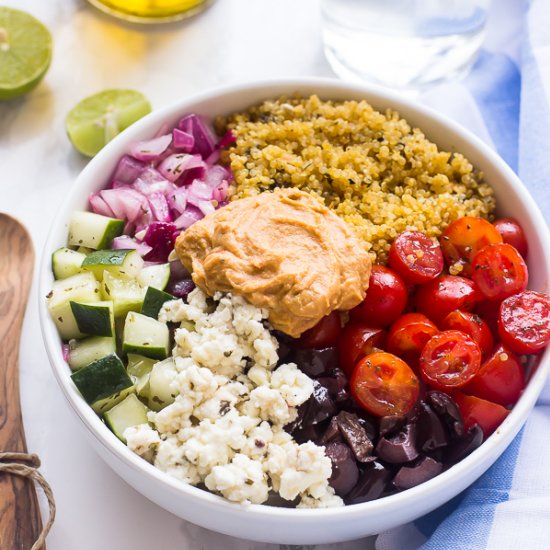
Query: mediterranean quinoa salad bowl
(298, 311)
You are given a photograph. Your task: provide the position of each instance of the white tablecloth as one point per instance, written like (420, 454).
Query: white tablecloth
(234, 40)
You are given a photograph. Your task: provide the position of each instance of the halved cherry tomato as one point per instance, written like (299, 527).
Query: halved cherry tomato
(324, 334)
(439, 297)
(416, 257)
(512, 233)
(524, 322)
(474, 410)
(488, 311)
(408, 336)
(356, 341)
(384, 385)
(500, 379)
(473, 326)
(385, 300)
(499, 271)
(463, 238)
(449, 360)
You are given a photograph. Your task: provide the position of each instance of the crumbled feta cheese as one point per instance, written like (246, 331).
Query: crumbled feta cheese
(142, 440)
(225, 427)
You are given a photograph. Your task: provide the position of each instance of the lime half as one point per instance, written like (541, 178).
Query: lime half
(25, 52)
(97, 119)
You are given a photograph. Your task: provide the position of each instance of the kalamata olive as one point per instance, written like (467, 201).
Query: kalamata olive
(355, 436)
(336, 384)
(469, 442)
(448, 411)
(180, 289)
(314, 362)
(391, 424)
(372, 483)
(305, 433)
(430, 431)
(423, 470)
(320, 405)
(400, 447)
(344, 468)
(331, 433)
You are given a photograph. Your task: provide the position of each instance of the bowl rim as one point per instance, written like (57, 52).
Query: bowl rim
(508, 429)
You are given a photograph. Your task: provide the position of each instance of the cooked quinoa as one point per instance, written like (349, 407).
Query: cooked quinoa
(375, 171)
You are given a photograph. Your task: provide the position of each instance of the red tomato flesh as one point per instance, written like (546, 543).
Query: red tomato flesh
(449, 360)
(408, 336)
(356, 341)
(416, 257)
(472, 325)
(324, 334)
(384, 385)
(463, 238)
(524, 322)
(489, 416)
(499, 271)
(385, 300)
(512, 233)
(439, 297)
(500, 379)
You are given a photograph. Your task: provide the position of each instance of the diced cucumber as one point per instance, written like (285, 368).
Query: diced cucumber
(128, 413)
(153, 301)
(93, 230)
(145, 336)
(86, 351)
(103, 383)
(126, 295)
(139, 368)
(96, 319)
(120, 263)
(66, 262)
(161, 392)
(84, 250)
(156, 276)
(78, 288)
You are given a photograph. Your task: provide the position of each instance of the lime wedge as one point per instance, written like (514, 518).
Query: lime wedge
(97, 119)
(25, 52)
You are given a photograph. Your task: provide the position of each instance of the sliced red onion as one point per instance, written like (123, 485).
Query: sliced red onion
(198, 191)
(177, 199)
(191, 175)
(206, 207)
(220, 194)
(205, 140)
(151, 149)
(65, 351)
(213, 158)
(99, 206)
(174, 166)
(182, 140)
(151, 175)
(126, 203)
(189, 217)
(215, 176)
(159, 207)
(128, 169)
(128, 243)
(227, 140)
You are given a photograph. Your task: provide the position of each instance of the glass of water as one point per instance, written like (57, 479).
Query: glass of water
(404, 44)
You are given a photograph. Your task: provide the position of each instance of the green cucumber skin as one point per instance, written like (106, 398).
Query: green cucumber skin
(90, 349)
(152, 353)
(127, 413)
(101, 379)
(63, 268)
(153, 301)
(106, 257)
(114, 229)
(92, 320)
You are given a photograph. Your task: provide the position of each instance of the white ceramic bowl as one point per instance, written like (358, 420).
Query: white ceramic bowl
(283, 525)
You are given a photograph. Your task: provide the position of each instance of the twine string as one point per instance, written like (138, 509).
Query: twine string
(26, 465)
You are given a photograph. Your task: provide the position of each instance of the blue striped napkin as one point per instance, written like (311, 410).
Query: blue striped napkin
(505, 99)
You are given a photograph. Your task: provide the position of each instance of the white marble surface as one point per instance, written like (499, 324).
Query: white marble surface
(234, 40)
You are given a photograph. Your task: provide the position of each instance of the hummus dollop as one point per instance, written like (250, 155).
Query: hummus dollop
(282, 251)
